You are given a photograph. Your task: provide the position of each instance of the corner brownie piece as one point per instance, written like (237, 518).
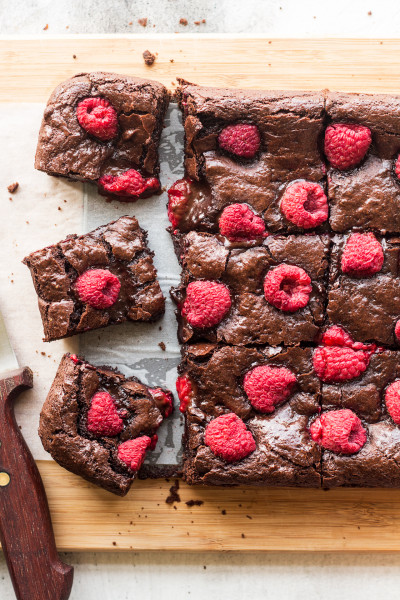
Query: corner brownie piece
(250, 147)
(101, 278)
(266, 434)
(105, 128)
(364, 287)
(365, 194)
(99, 424)
(240, 293)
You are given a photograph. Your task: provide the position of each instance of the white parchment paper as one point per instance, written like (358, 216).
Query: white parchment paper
(43, 211)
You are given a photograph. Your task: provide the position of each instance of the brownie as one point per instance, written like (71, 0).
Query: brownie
(367, 196)
(64, 421)
(67, 149)
(118, 251)
(242, 268)
(367, 307)
(290, 126)
(285, 454)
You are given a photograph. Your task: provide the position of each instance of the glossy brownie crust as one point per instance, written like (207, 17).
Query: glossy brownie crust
(63, 420)
(120, 247)
(242, 268)
(64, 148)
(285, 453)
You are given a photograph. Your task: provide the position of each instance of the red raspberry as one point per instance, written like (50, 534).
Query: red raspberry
(346, 145)
(98, 287)
(178, 196)
(103, 417)
(304, 204)
(184, 389)
(239, 223)
(206, 304)
(228, 438)
(336, 336)
(362, 255)
(241, 139)
(164, 401)
(339, 431)
(397, 330)
(129, 184)
(397, 167)
(266, 387)
(287, 287)
(340, 363)
(133, 452)
(98, 117)
(392, 400)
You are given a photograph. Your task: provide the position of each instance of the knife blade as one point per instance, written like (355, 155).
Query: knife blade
(26, 531)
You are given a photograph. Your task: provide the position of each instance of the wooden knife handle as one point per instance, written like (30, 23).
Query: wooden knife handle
(26, 532)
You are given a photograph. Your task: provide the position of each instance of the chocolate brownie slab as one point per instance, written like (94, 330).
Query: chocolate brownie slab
(104, 128)
(101, 278)
(250, 147)
(99, 424)
(365, 194)
(364, 287)
(251, 294)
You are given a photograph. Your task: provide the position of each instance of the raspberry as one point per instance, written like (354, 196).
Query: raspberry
(266, 387)
(206, 304)
(397, 167)
(103, 417)
(346, 145)
(397, 330)
(339, 363)
(228, 438)
(132, 452)
(98, 287)
(304, 204)
(184, 389)
(287, 287)
(242, 140)
(178, 196)
(336, 336)
(339, 431)
(239, 223)
(163, 400)
(362, 255)
(98, 117)
(392, 400)
(129, 184)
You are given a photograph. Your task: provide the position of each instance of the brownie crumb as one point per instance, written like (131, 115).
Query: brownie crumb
(249, 517)
(12, 188)
(204, 567)
(243, 536)
(369, 13)
(45, 28)
(171, 60)
(183, 22)
(162, 346)
(74, 56)
(197, 22)
(194, 502)
(223, 512)
(149, 58)
(114, 543)
(173, 495)
(142, 22)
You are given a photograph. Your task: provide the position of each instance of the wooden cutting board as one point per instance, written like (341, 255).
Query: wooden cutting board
(87, 518)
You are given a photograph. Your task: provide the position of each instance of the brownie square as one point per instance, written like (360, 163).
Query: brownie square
(75, 422)
(242, 269)
(367, 307)
(290, 125)
(118, 251)
(70, 148)
(367, 196)
(284, 452)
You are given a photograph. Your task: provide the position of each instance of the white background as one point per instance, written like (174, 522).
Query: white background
(236, 576)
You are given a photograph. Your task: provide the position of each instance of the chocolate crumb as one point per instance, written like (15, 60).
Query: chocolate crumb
(204, 567)
(12, 188)
(59, 208)
(171, 60)
(162, 346)
(249, 517)
(194, 502)
(45, 28)
(369, 13)
(243, 536)
(43, 353)
(114, 543)
(197, 22)
(183, 22)
(74, 56)
(149, 58)
(142, 22)
(173, 496)
(223, 512)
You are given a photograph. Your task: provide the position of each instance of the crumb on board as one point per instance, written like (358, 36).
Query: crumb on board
(162, 346)
(223, 512)
(173, 493)
(149, 58)
(74, 56)
(171, 60)
(45, 28)
(243, 536)
(142, 22)
(191, 503)
(183, 22)
(12, 188)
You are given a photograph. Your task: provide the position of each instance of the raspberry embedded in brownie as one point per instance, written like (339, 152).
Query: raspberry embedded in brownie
(99, 424)
(105, 128)
(101, 278)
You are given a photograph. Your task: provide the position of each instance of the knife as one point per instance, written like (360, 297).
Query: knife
(26, 532)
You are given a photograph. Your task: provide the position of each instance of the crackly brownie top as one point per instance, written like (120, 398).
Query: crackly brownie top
(100, 424)
(105, 276)
(240, 294)
(128, 138)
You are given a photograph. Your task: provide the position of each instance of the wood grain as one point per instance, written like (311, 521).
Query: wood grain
(87, 518)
